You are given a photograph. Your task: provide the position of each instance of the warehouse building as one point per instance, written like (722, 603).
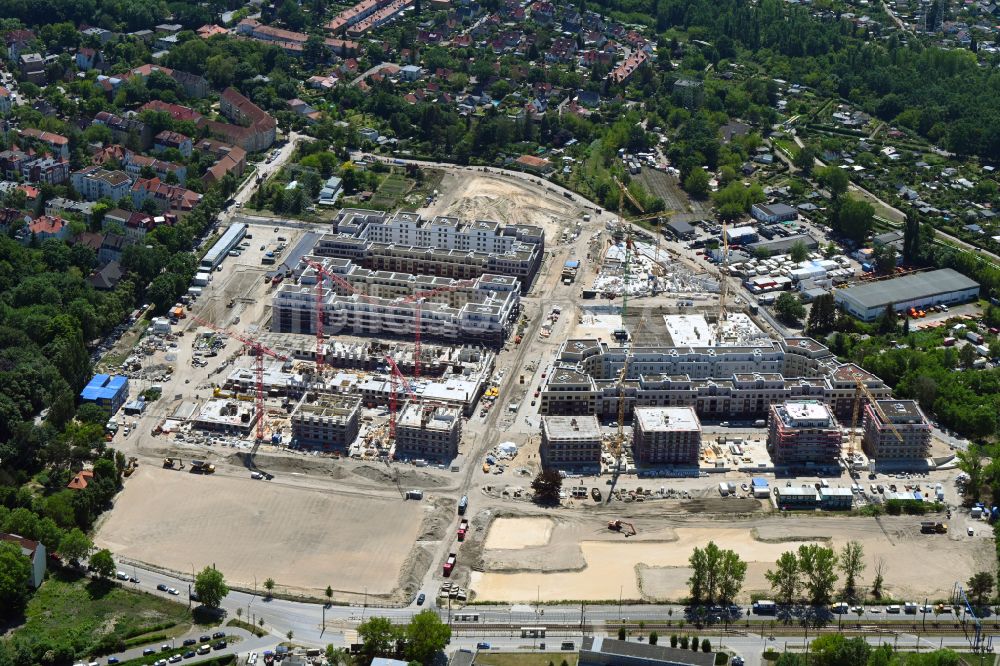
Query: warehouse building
(324, 421)
(366, 302)
(881, 443)
(919, 290)
(106, 391)
(771, 213)
(428, 431)
(803, 433)
(666, 436)
(571, 441)
(236, 232)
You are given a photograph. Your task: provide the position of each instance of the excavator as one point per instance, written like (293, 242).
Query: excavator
(628, 529)
(169, 463)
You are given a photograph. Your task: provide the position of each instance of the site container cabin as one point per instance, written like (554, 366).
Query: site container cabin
(463, 505)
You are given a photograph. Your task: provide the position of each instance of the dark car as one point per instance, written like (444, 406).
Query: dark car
(148, 651)
(189, 654)
(482, 646)
(161, 587)
(205, 638)
(420, 599)
(221, 645)
(113, 660)
(219, 634)
(189, 641)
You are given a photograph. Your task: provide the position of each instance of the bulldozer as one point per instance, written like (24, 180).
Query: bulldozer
(628, 529)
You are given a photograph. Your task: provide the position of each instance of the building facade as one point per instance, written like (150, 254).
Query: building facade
(571, 441)
(324, 421)
(880, 441)
(430, 432)
(666, 436)
(95, 183)
(803, 432)
(106, 391)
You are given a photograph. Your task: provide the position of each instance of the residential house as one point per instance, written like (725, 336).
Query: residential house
(170, 139)
(45, 227)
(256, 129)
(95, 183)
(192, 84)
(88, 59)
(81, 480)
(127, 131)
(34, 551)
(48, 169)
(115, 218)
(60, 206)
(100, 34)
(410, 73)
(13, 163)
(210, 30)
(58, 144)
(628, 67)
(305, 110)
(33, 68)
(176, 111)
(6, 101)
(106, 277)
(17, 42)
(111, 248)
(110, 84)
(536, 164)
(229, 159)
(166, 197)
(135, 163)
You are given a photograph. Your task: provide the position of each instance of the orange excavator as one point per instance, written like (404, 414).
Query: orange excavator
(628, 529)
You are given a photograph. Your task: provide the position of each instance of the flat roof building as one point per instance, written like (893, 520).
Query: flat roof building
(571, 441)
(602, 651)
(666, 436)
(324, 421)
(803, 433)
(881, 443)
(918, 290)
(428, 431)
(234, 234)
(106, 391)
(229, 416)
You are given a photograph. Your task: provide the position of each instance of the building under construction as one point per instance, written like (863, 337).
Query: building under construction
(666, 436)
(881, 443)
(803, 432)
(718, 382)
(324, 421)
(358, 301)
(571, 442)
(428, 431)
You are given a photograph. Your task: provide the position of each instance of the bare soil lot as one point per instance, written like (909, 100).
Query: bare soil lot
(303, 539)
(583, 560)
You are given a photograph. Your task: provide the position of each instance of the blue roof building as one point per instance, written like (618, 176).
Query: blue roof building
(107, 391)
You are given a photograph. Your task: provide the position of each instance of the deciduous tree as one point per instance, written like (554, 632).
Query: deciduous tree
(211, 587)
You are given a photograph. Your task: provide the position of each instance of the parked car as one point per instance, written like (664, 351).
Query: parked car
(420, 599)
(219, 634)
(161, 587)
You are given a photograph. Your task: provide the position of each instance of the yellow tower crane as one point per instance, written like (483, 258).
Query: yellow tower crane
(861, 391)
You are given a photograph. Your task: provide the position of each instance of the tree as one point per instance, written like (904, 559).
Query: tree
(784, 578)
(879, 580)
(547, 485)
(885, 259)
(855, 219)
(290, 635)
(621, 633)
(888, 321)
(102, 563)
(211, 587)
(805, 159)
(426, 636)
(706, 645)
(980, 587)
(717, 575)
(269, 586)
(818, 565)
(852, 564)
(970, 461)
(967, 356)
(789, 308)
(75, 545)
(696, 183)
(798, 252)
(378, 637)
(329, 593)
(654, 638)
(15, 578)
(834, 179)
(822, 315)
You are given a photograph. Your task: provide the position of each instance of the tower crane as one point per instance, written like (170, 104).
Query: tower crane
(258, 351)
(860, 391)
(418, 299)
(619, 441)
(395, 374)
(623, 193)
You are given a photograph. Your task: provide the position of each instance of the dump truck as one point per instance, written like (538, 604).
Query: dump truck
(449, 564)
(201, 467)
(930, 527)
(463, 528)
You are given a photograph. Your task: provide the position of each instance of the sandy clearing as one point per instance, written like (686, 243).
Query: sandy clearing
(303, 539)
(512, 533)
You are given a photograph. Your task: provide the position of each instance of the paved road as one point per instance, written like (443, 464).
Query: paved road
(246, 642)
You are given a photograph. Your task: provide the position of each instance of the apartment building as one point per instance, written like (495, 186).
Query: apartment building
(169, 139)
(166, 197)
(427, 431)
(95, 183)
(126, 131)
(56, 143)
(803, 432)
(442, 246)
(254, 129)
(880, 441)
(720, 383)
(571, 442)
(372, 303)
(324, 421)
(135, 163)
(666, 436)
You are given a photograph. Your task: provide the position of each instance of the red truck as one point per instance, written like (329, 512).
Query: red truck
(449, 564)
(463, 527)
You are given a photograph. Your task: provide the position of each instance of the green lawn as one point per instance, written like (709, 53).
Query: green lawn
(84, 613)
(525, 658)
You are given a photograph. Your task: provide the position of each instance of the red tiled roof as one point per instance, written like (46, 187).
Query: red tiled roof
(79, 481)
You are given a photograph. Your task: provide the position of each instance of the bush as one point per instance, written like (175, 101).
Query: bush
(621, 633)
(770, 654)
(694, 643)
(706, 645)
(673, 640)
(684, 642)
(721, 659)
(654, 638)
(132, 642)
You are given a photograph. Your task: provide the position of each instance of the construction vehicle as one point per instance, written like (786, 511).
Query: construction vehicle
(133, 462)
(202, 467)
(449, 564)
(628, 529)
(463, 529)
(595, 493)
(169, 463)
(931, 527)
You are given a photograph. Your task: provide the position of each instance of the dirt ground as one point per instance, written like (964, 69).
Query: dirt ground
(480, 196)
(512, 533)
(583, 560)
(303, 539)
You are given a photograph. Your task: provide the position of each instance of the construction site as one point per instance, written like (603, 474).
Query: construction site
(390, 412)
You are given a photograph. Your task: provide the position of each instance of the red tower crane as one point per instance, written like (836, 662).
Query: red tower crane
(394, 373)
(259, 351)
(321, 271)
(418, 298)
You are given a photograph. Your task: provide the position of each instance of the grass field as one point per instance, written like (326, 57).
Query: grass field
(85, 612)
(390, 191)
(526, 658)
